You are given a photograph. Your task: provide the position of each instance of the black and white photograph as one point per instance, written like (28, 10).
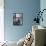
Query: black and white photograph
(18, 19)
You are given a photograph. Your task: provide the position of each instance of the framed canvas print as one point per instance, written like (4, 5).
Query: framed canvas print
(18, 19)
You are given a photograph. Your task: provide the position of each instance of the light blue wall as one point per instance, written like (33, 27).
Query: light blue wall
(43, 6)
(28, 8)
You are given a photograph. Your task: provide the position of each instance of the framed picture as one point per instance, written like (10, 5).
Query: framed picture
(18, 19)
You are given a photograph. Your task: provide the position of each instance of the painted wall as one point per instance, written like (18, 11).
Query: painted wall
(43, 6)
(28, 8)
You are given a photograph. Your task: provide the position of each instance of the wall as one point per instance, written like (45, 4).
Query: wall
(28, 8)
(43, 6)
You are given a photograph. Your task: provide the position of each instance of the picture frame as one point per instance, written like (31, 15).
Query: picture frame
(18, 19)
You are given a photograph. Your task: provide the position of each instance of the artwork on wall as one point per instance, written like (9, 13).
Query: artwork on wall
(18, 19)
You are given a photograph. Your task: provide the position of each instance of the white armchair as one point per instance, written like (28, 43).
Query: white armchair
(20, 42)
